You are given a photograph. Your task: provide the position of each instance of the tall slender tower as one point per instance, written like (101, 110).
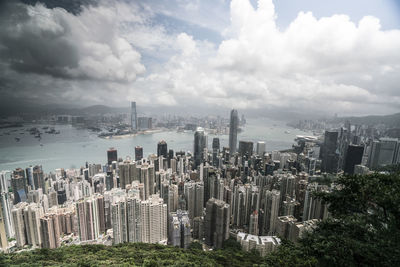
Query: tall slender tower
(200, 144)
(233, 129)
(134, 124)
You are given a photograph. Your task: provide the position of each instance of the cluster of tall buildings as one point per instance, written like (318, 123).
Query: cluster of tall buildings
(174, 197)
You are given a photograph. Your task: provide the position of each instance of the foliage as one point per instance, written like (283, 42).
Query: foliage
(364, 229)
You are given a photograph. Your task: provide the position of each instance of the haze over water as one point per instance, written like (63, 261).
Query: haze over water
(73, 146)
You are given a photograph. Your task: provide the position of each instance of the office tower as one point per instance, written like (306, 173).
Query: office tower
(111, 155)
(134, 123)
(216, 222)
(32, 214)
(153, 220)
(253, 226)
(38, 178)
(138, 153)
(215, 151)
(233, 129)
(18, 185)
(6, 204)
(162, 149)
(270, 207)
(50, 231)
(329, 154)
(353, 157)
(29, 177)
(179, 229)
(200, 144)
(384, 152)
(261, 148)
(194, 193)
(246, 149)
(19, 226)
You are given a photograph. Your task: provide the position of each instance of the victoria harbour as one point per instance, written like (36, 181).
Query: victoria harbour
(73, 147)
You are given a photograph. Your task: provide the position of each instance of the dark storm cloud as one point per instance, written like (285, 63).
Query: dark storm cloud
(35, 39)
(72, 6)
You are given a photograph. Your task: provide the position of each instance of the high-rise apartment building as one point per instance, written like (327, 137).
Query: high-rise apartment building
(179, 229)
(270, 207)
(216, 222)
(194, 193)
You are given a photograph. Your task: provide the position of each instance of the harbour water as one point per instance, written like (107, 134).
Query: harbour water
(73, 147)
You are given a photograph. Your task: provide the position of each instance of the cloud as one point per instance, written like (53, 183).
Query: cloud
(315, 66)
(54, 42)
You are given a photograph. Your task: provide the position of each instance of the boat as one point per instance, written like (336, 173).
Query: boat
(17, 139)
(287, 132)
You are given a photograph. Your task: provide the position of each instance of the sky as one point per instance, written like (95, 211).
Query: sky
(308, 57)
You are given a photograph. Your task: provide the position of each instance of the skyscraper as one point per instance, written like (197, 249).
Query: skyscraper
(215, 151)
(153, 220)
(353, 157)
(138, 153)
(253, 226)
(233, 129)
(246, 149)
(134, 123)
(162, 149)
(5, 203)
(194, 193)
(261, 148)
(179, 229)
(3, 234)
(18, 184)
(216, 222)
(270, 206)
(50, 231)
(329, 155)
(112, 155)
(200, 144)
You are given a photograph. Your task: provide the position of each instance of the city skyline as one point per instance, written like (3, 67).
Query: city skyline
(259, 57)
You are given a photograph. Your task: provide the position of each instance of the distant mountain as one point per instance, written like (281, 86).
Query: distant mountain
(389, 120)
(101, 109)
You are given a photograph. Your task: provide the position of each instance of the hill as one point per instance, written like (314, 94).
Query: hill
(392, 120)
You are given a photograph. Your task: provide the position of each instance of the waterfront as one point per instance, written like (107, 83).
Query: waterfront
(74, 146)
